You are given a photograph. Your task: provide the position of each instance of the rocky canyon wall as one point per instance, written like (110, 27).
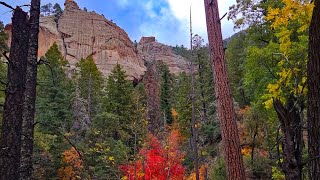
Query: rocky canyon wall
(80, 34)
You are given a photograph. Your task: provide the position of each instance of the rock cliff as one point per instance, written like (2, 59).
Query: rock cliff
(150, 50)
(80, 34)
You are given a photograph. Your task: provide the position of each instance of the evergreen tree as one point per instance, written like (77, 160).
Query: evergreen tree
(90, 85)
(47, 9)
(57, 11)
(3, 68)
(183, 103)
(118, 127)
(235, 55)
(166, 92)
(3, 39)
(54, 95)
(225, 108)
(118, 103)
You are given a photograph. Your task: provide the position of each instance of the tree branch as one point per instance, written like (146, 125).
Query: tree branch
(1, 82)
(70, 143)
(5, 56)
(45, 62)
(7, 5)
(223, 16)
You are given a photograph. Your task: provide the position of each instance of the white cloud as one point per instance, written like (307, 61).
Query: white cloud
(123, 3)
(181, 10)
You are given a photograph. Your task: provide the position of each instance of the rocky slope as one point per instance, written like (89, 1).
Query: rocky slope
(80, 34)
(149, 50)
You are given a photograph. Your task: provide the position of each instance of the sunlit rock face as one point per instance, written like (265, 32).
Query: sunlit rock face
(89, 34)
(80, 34)
(151, 50)
(48, 34)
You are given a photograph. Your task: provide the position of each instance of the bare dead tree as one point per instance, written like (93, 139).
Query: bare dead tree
(30, 93)
(226, 111)
(12, 117)
(193, 116)
(152, 89)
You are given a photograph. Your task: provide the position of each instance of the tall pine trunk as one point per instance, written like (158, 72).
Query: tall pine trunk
(226, 112)
(314, 94)
(30, 93)
(12, 117)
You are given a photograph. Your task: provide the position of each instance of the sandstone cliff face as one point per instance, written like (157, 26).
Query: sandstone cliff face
(87, 33)
(80, 34)
(150, 50)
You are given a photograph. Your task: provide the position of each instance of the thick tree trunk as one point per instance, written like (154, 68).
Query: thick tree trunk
(152, 88)
(314, 94)
(292, 142)
(226, 112)
(30, 93)
(12, 117)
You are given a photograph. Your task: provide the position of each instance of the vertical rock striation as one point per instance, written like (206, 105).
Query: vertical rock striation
(80, 34)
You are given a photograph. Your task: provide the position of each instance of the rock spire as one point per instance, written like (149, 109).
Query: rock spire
(71, 5)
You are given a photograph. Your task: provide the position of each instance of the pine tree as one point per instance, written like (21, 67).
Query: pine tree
(57, 11)
(235, 55)
(53, 113)
(226, 112)
(165, 92)
(54, 93)
(118, 127)
(118, 103)
(3, 69)
(3, 39)
(90, 84)
(183, 103)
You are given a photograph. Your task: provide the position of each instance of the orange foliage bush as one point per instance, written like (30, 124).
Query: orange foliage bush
(73, 165)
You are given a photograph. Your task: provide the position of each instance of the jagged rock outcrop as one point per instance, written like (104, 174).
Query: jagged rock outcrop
(80, 34)
(150, 50)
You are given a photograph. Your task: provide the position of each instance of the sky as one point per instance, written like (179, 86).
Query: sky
(167, 20)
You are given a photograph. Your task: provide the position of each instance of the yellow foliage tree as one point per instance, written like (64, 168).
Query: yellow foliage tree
(291, 24)
(202, 172)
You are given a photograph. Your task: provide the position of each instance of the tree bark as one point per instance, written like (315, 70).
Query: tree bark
(30, 93)
(226, 112)
(314, 94)
(292, 142)
(152, 88)
(12, 116)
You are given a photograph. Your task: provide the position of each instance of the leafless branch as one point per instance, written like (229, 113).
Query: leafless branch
(223, 16)
(1, 82)
(25, 5)
(45, 62)
(7, 5)
(5, 56)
